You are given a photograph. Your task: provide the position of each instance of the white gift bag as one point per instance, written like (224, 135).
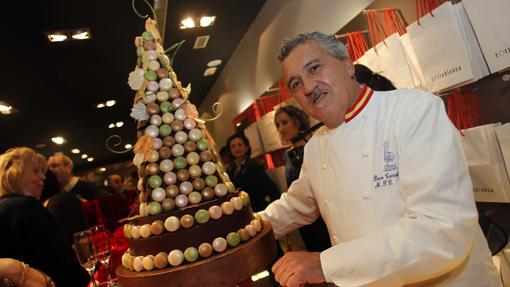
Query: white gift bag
(269, 135)
(392, 62)
(414, 66)
(490, 22)
(440, 49)
(503, 134)
(478, 64)
(252, 133)
(486, 164)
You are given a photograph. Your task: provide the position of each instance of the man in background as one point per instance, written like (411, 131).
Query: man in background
(62, 166)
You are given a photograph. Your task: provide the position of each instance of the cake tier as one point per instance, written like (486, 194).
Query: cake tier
(223, 270)
(192, 237)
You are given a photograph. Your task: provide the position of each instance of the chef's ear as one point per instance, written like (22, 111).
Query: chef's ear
(349, 67)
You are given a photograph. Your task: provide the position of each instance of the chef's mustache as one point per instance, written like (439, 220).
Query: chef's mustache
(315, 92)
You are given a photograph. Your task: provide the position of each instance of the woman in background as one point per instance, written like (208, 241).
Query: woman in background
(290, 121)
(29, 232)
(248, 175)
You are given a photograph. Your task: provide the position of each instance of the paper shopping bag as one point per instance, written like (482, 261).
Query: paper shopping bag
(486, 164)
(440, 49)
(490, 21)
(503, 134)
(412, 61)
(392, 62)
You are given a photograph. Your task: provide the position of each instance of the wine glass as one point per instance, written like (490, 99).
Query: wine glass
(86, 252)
(101, 241)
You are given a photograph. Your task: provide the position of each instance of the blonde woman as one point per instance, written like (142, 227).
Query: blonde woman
(29, 232)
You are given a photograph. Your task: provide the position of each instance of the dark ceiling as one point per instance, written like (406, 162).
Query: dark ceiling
(55, 87)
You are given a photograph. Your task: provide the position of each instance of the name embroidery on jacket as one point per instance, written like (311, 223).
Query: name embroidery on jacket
(389, 176)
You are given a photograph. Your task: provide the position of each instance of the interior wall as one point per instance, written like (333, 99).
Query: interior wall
(254, 68)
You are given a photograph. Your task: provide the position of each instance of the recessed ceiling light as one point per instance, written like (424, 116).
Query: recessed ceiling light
(90, 159)
(187, 23)
(207, 21)
(58, 140)
(6, 109)
(81, 34)
(100, 105)
(110, 103)
(84, 156)
(214, 63)
(111, 126)
(57, 37)
(102, 169)
(119, 124)
(209, 71)
(201, 42)
(75, 151)
(128, 146)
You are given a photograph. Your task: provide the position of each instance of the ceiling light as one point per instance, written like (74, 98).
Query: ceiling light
(187, 23)
(201, 42)
(5, 108)
(57, 37)
(110, 103)
(75, 151)
(58, 140)
(90, 159)
(100, 105)
(102, 169)
(128, 146)
(111, 126)
(68, 34)
(209, 71)
(207, 21)
(81, 35)
(84, 156)
(119, 124)
(214, 63)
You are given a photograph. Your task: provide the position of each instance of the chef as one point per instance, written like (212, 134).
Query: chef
(388, 175)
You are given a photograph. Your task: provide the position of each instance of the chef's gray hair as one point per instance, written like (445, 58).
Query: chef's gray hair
(328, 42)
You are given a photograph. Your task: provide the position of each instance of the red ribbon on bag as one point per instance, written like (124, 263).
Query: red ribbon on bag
(356, 44)
(464, 110)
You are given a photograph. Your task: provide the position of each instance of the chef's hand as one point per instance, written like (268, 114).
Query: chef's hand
(297, 268)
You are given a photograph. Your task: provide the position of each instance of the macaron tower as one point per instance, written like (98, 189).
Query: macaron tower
(191, 217)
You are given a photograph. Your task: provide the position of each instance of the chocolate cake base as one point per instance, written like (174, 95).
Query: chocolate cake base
(223, 270)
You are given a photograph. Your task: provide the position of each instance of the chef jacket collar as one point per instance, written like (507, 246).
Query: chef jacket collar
(361, 102)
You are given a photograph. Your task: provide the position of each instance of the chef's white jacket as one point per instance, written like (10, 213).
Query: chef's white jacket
(393, 187)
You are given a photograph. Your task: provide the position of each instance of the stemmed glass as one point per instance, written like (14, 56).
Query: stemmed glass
(86, 252)
(101, 241)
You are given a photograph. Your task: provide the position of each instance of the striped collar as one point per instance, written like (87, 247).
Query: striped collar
(360, 103)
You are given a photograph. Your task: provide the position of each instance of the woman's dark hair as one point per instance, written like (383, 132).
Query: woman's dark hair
(296, 113)
(243, 138)
(374, 80)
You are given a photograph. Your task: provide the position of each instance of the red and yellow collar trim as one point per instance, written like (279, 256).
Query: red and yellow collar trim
(361, 102)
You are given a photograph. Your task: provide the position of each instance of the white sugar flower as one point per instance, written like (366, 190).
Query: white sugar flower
(139, 112)
(135, 79)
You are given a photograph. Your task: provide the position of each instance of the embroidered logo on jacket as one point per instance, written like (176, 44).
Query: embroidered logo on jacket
(389, 176)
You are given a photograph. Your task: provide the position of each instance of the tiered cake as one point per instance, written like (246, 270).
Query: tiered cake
(194, 228)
